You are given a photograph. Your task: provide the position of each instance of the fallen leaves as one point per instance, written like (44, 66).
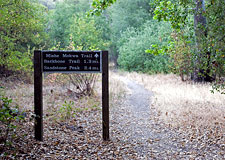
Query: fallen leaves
(132, 136)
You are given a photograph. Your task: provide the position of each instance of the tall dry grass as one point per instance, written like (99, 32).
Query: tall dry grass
(55, 93)
(183, 104)
(178, 103)
(117, 88)
(57, 90)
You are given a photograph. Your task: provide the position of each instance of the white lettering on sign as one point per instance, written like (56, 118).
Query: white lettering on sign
(74, 61)
(69, 61)
(54, 61)
(52, 55)
(90, 68)
(95, 61)
(86, 55)
(90, 61)
(70, 56)
(74, 68)
(95, 68)
(54, 67)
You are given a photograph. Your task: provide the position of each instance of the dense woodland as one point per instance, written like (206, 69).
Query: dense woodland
(150, 36)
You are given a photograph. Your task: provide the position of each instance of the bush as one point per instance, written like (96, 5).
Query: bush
(182, 56)
(158, 64)
(8, 115)
(66, 110)
(132, 55)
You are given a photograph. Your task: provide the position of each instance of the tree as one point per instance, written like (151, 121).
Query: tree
(180, 14)
(122, 15)
(201, 38)
(59, 23)
(22, 26)
(85, 35)
(134, 42)
(99, 6)
(198, 30)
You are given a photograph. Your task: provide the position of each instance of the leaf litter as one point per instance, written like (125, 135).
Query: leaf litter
(133, 134)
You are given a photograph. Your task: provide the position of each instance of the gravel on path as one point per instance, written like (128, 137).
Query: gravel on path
(139, 125)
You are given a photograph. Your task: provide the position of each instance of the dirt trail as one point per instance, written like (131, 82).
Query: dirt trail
(139, 125)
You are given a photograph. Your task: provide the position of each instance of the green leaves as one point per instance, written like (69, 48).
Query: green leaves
(22, 25)
(8, 115)
(84, 34)
(66, 110)
(171, 12)
(157, 50)
(99, 6)
(133, 53)
(71, 28)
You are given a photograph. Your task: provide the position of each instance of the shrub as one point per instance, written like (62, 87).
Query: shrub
(66, 110)
(8, 115)
(134, 43)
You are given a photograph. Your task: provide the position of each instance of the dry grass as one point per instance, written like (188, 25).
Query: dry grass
(117, 89)
(22, 94)
(179, 103)
(55, 93)
(184, 104)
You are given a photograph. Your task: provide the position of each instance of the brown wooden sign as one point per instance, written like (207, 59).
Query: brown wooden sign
(70, 62)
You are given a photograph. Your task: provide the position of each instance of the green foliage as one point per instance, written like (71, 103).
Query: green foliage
(68, 23)
(18, 61)
(182, 56)
(66, 110)
(2, 91)
(124, 14)
(171, 12)
(218, 87)
(8, 116)
(85, 34)
(59, 23)
(133, 56)
(21, 27)
(216, 40)
(199, 42)
(100, 5)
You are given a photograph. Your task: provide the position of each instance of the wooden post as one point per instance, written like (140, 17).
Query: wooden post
(105, 95)
(38, 97)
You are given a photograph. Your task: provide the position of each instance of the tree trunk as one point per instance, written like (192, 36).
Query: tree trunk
(203, 56)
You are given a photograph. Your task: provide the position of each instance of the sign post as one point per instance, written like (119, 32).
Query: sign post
(70, 62)
(105, 96)
(38, 97)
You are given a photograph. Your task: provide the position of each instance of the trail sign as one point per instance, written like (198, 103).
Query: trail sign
(70, 62)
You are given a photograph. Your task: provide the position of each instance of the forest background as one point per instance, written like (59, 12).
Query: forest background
(151, 36)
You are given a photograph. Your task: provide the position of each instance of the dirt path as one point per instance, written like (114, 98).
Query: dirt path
(139, 126)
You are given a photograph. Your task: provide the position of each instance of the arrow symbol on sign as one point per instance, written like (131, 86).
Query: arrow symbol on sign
(96, 55)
